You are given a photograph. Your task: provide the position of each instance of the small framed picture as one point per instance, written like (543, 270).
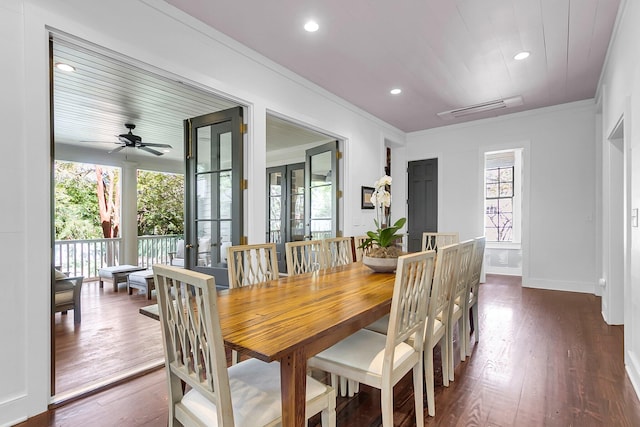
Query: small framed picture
(366, 198)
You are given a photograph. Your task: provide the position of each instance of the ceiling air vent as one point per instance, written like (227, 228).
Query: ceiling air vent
(480, 108)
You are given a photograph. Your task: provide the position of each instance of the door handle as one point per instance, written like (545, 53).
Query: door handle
(188, 246)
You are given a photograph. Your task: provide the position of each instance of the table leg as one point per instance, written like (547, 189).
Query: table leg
(293, 382)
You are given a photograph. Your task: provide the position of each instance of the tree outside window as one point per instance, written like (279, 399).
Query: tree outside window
(499, 206)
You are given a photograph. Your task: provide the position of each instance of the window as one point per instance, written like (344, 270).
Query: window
(501, 214)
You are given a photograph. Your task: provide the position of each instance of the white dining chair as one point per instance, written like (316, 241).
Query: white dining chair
(246, 394)
(379, 360)
(432, 241)
(471, 310)
(338, 251)
(304, 256)
(252, 264)
(436, 326)
(460, 295)
(357, 243)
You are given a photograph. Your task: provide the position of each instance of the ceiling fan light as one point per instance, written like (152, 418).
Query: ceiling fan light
(65, 67)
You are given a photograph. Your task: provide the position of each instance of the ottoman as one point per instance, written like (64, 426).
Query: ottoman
(117, 274)
(142, 280)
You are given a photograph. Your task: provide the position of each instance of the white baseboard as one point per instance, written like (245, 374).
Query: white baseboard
(13, 410)
(507, 271)
(632, 367)
(559, 285)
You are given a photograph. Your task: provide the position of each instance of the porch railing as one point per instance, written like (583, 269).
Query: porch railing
(86, 257)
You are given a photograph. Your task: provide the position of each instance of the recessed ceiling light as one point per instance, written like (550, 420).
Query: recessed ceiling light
(311, 26)
(522, 55)
(395, 91)
(64, 67)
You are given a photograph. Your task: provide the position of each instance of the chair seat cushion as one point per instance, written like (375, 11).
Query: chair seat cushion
(109, 271)
(63, 297)
(364, 350)
(255, 395)
(63, 286)
(381, 325)
(177, 262)
(141, 276)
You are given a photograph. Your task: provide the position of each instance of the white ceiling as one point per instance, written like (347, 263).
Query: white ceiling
(443, 54)
(93, 103)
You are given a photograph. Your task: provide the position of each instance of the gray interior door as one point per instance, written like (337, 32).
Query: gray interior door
(423, 201)
(213, 187)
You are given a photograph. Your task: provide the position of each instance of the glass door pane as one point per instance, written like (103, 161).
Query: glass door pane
(276, 188)
(295, 230)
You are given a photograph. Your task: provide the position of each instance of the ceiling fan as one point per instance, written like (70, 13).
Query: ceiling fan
(134, 141)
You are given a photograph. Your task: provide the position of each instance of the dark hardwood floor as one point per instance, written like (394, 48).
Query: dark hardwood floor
(544, 358)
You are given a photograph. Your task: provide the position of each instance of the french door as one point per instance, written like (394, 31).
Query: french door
(302, 199)
(321, 184)
(285, 204)
(213, 190)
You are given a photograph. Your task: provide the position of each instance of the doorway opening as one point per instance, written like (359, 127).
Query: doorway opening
(503, 194)
(91, 107)
(614, 186)
(303, 185)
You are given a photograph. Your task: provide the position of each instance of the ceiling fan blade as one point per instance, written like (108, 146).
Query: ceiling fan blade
(145, 148)
(115, 150)
(157, 145)
(101, 142)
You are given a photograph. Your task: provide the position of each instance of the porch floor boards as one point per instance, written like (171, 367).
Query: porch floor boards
(113, 337)
(544, 358)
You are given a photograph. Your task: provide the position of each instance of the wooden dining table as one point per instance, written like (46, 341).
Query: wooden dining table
(293, 318)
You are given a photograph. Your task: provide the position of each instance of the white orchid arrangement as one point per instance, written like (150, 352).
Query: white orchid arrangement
(382, 241)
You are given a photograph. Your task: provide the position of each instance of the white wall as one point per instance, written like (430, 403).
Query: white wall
(13, 234)
(559, 228)
(620, 93)
(173, 44)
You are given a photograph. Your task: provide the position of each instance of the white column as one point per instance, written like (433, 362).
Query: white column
(129, 210)
(256, 164)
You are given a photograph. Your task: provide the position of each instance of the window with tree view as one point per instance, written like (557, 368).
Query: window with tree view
(499, 194)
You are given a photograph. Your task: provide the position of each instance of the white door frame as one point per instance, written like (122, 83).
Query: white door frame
(616, 196)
